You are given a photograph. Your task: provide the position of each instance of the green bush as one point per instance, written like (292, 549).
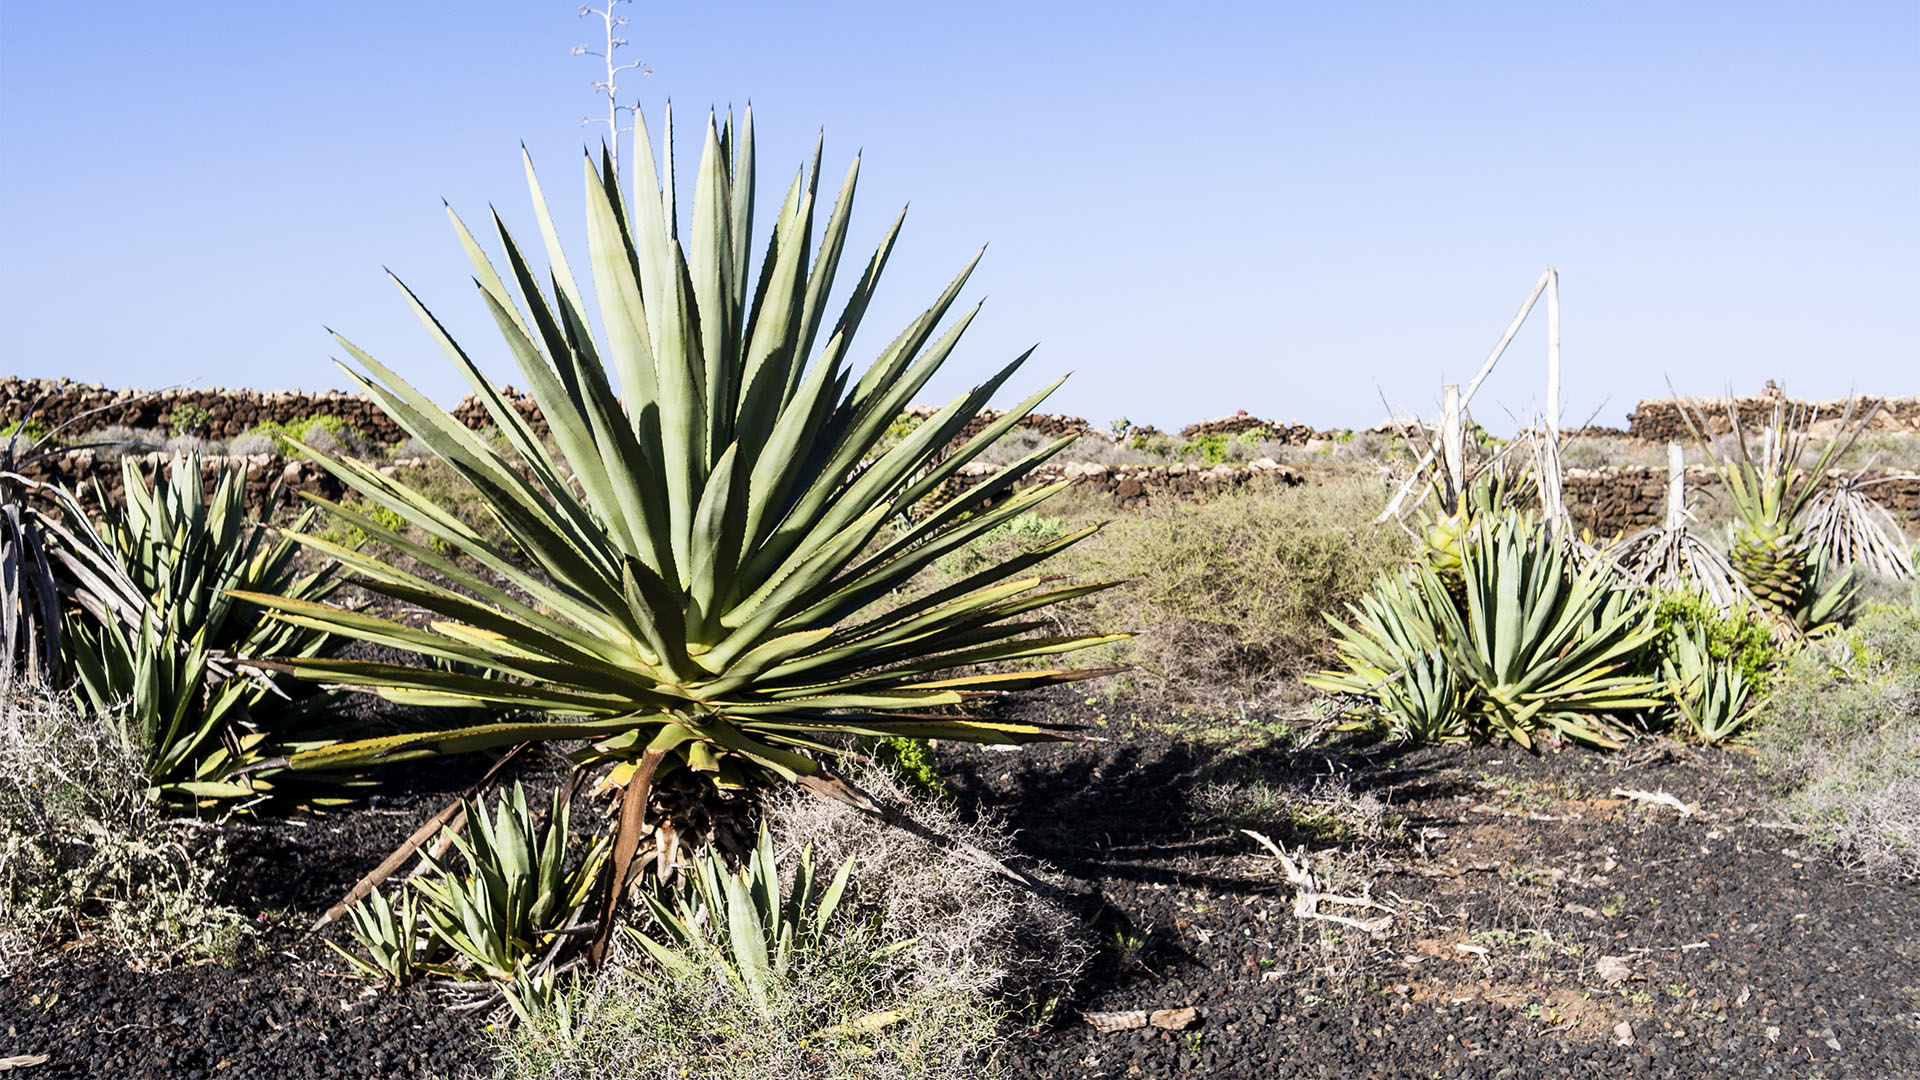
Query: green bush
(1742, 637)
(1841, 735)
(329, 434)
(911, 760)
(28, 431)
(189, 420)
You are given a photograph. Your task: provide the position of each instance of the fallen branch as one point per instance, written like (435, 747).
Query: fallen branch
(1658, 798)
(1307, 895)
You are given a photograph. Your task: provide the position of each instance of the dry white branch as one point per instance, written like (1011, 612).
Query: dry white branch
(1466, 397)
(1658, 798)
(1307, 896)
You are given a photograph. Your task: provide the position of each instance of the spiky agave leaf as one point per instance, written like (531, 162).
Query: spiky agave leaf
(696, 572)
(1711, 697)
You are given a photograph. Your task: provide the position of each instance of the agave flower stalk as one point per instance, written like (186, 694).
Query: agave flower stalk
(699, 568)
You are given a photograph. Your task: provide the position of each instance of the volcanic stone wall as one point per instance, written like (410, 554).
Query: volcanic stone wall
(1046, 424)
(1630, 497)
(1660, 419)
(80, 470)
(217, 413)
(1137, 485)
(1290, 434)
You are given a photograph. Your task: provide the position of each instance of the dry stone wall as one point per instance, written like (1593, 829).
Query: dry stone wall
(1046, 424)
(1630, 497)
(81, 470)
(1290, 434)
(1611, 500)
(215, 413)
(1660, 419)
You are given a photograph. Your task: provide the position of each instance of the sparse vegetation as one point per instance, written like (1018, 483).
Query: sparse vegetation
(1841, 734)
(1225, 596)
(85, 854)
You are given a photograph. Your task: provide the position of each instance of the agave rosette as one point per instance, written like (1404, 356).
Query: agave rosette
(1544, 644)
(158, 623)
(696, 576)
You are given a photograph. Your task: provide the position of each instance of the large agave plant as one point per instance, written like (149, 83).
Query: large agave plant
(702, 566)
(1531, 643)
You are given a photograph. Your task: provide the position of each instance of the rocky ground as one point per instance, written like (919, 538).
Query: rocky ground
(1569, 915)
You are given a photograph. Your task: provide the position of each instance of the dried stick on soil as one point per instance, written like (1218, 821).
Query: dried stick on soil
(1307, 895)
(420, 836)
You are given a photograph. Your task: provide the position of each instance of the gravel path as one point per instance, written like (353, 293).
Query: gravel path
(1542, 926)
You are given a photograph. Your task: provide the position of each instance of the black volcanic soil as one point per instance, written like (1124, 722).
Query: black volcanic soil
(1736, 950)
(1542, 926)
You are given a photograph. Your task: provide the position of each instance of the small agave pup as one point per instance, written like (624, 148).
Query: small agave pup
(694, 579)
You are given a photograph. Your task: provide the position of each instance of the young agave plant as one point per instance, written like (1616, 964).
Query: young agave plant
(517, 892)
(1770, 490)
(1392, 655)
(742, 919)
(1711, 697)
(696, 569)
(1545, 645)
(172, 563)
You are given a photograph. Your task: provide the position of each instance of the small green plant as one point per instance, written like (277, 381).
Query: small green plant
(344, 533)
(912, 761)
(189, 420)
(744, 919)
(489, 920)
(325, 432)
(31, 430)
(1741, 637)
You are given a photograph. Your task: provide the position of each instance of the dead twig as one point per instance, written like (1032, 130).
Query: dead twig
(1307, 896)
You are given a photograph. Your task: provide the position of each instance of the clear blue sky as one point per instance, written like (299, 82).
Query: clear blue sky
(1282, 207)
